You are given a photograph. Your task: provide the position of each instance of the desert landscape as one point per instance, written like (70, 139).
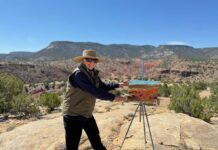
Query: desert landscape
(158, 56)
(170, 130)
(185, 116)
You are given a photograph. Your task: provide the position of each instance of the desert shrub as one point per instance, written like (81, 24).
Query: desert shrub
(10, 86)
(164, 90)
(214, 88)
(186, 99)
(199, 85)
(24, 106)
(214, 102)
(214, 98)
(207, 111)
(50, 100)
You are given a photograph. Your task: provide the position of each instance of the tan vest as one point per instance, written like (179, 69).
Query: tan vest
(78, 102)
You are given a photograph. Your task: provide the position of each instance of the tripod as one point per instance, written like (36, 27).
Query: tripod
(143, 114)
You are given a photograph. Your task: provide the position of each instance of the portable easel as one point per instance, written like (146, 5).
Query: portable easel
(142, 114)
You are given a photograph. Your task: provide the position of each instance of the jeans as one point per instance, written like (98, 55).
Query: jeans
(73, 130)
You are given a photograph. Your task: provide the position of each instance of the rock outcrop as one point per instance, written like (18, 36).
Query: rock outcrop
(170, 131)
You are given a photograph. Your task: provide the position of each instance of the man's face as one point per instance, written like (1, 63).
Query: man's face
(90, 63)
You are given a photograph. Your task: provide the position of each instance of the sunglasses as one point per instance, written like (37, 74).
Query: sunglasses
(91, 60)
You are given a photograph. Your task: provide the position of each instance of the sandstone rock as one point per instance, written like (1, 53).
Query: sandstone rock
(198, 134)
(170, 131)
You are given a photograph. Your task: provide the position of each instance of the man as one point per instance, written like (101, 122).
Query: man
(84, 87)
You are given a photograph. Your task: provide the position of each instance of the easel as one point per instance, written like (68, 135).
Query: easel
(143, 114)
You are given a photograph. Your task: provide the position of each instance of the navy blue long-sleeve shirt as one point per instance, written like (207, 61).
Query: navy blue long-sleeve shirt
(80, 80)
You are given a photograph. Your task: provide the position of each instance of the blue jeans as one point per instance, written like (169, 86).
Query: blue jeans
(73, 130)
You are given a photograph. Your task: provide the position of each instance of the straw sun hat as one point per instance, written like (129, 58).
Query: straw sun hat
(87, 54)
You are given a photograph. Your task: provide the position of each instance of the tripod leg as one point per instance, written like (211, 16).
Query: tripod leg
(143, 117)
(148, 125)
(129, 126)
(140, 112)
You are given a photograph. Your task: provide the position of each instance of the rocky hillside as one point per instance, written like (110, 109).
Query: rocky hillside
(34, 73)
(183, 70)
(61, 50)
(170, 131)
(173, 69)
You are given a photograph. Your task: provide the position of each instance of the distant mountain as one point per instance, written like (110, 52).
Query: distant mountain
(187, 52)
(60, 50)
(66, 50)
(16, 55)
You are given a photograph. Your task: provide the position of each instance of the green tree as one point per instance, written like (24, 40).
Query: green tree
(164, 90)
(10, 86)
(24, 105)
(186, 99)
(50, 100)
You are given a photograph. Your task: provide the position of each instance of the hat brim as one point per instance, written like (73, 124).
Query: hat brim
(79, 59)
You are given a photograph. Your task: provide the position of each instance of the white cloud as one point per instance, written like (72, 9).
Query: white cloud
(177, 43)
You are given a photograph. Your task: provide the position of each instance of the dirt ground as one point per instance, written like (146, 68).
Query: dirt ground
(10, 124)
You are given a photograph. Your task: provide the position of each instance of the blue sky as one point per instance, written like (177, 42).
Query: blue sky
(30, 25)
